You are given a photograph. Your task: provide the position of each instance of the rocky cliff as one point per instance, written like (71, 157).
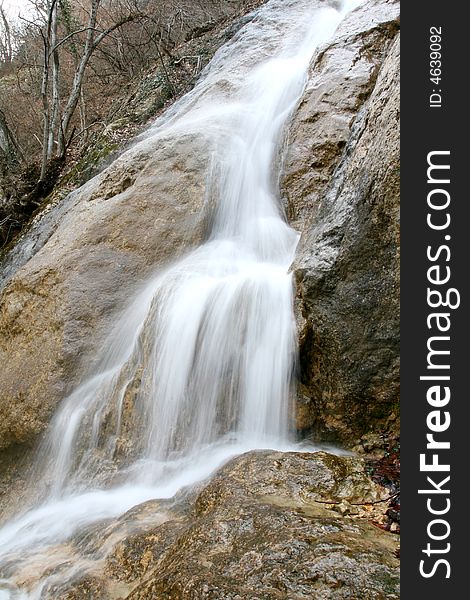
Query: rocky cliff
(341, 189)
(269, 525)
(340, 185)
(83, 257)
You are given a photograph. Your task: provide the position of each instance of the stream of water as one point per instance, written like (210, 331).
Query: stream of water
(200, 366)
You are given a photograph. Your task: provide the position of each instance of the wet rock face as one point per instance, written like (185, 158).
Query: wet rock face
(137, 215)
(66, 279)
(149, 206)
(261, 529)
(341, 186)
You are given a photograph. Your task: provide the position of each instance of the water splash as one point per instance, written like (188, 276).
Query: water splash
(199, 368)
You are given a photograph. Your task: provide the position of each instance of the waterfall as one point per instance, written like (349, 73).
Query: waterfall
(200, 366)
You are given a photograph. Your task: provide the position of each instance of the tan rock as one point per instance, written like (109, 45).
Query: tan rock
(145, 209)
(341, 184)
(257, 530)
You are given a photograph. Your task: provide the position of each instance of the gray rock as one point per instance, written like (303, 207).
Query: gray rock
(259, 533)
(258, 530)
(145, 209)
(341, 184)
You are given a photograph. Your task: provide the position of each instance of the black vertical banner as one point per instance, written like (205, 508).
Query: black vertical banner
(435, 270)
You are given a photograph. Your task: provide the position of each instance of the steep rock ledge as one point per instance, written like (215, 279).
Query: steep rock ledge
(264, 529)
(67, 277)
(117, 229)
(341, 185)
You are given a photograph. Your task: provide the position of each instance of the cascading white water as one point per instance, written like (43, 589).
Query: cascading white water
(199, 368)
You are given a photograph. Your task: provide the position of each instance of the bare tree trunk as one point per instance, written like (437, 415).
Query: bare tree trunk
(45, 109)
(9, 146)
(6, 48)
(46, 38)
(57, 121)
(83, 118)
(55, 86)
(91, 44)
(78, 80)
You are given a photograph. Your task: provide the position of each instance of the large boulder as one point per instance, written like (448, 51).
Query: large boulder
(267, 527)
(64, 282)
(144, 210)
(341, 187)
